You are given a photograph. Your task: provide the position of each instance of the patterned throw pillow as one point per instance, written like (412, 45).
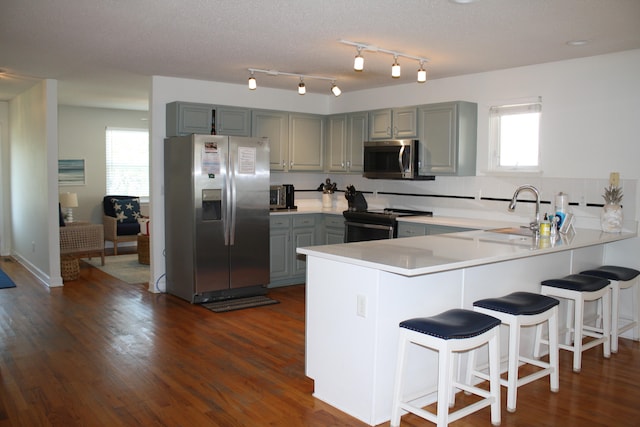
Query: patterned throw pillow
(127, 210)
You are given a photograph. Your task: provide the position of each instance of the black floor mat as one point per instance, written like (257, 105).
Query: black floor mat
(239, 303)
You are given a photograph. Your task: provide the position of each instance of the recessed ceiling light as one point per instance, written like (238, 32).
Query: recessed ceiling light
(462, 1)
(577, 42)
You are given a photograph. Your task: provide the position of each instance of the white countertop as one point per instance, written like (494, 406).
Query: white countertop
(414, 256)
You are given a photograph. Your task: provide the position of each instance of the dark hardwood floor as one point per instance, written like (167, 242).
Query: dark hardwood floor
(100, 352)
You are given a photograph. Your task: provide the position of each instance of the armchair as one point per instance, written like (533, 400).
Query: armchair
(82, 239)
(120, 219)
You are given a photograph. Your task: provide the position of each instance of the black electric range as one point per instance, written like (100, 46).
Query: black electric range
(375, 224)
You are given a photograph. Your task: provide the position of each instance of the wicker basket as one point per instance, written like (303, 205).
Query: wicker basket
(69, 268)
(143, 249)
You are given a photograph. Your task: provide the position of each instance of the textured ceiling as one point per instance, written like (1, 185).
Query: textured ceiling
(103, 51)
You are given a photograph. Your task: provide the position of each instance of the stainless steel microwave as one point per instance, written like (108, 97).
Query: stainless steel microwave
(392, 159)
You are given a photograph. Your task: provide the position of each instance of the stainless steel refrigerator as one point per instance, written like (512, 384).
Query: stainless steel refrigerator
(216, 216)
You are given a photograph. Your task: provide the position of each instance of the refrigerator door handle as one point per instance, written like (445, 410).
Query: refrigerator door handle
(233, 195)
(227, 210)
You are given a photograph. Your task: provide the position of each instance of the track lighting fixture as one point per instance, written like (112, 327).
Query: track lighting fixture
(422, 74)
(335, 89)
(395, 68)
(358, 63)
(302, 88)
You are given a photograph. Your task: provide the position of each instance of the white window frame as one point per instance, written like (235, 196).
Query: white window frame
(495, 115)
(135, 157)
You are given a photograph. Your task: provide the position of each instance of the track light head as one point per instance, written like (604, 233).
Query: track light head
(252, 82)
(422, 73)
(335, 89)
(358, 62)
(395, 68)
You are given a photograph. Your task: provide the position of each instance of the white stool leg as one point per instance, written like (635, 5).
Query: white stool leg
(615, 309)
(578, 320)
(397, 389)
(494, 373)
(554, 377)
(514, 356)
(635, 308)
(444, 386)
(606, 326)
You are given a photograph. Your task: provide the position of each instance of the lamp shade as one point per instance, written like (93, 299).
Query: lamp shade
(69, 200)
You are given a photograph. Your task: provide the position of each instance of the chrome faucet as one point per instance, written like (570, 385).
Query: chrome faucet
(535, 225)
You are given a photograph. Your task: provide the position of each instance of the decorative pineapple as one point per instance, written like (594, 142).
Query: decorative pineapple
(611, 216)
(612, 195)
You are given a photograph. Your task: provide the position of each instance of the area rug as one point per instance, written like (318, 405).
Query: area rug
(123, 267)
(5, 281)
(239, 303)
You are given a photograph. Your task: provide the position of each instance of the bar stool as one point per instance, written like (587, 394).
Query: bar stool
(578, 289)
(621, 278)
(516, 310)
(448, 333)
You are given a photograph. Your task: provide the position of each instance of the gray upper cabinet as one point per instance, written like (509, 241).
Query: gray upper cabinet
(396, 123)
(346, 134)
(184, 118)
(357, 134)
(336, 143)
(306, 142)
(233, 121)
(448, 138)
(275, 126)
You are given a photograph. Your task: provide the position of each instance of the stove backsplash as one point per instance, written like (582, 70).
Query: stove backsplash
(475, 197)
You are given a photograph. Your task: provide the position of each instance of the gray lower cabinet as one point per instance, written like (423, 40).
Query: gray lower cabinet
(411, 229)
(447, 134)
(288, 232)
(333, 229)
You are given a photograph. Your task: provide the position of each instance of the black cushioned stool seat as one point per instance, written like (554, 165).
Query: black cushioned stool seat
(448, 333)
(516, 310)
(519, 303)
(621, 278)
(579, 289)
(453, 324)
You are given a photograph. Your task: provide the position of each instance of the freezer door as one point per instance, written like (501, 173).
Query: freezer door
(249, 202)
(210, 171)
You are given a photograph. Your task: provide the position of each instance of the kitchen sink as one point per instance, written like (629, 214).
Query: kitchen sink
(519, 231)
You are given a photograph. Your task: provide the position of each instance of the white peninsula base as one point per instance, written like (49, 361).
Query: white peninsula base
(354, 307)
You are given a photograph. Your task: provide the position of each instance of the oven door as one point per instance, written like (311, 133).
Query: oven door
(360, 232)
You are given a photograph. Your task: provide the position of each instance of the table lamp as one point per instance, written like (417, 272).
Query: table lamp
(68, 201)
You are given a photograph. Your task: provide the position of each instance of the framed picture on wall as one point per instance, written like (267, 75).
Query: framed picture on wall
(71, 172)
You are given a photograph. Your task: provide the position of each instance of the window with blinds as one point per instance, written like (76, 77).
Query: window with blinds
(127, 162)
(514, 136)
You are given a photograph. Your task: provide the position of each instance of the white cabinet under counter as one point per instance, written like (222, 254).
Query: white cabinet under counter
(358, 293)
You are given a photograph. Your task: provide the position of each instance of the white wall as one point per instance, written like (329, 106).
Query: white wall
(5, 179)
(81, 133)
(33, 180)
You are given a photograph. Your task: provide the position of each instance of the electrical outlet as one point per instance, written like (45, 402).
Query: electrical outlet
(361, 309)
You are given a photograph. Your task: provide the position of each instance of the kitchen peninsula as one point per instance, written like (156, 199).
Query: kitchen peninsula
(358, 293)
